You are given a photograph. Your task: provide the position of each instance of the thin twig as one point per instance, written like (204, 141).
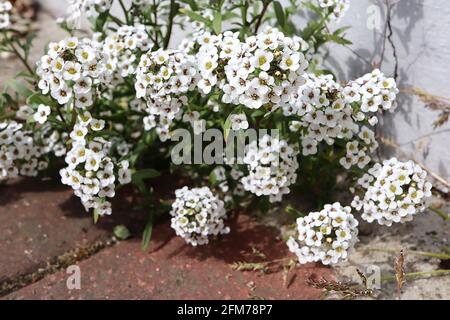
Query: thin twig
(441, 256)
(261, 15)
(169, 26)
(439, 272)
(22, 59)
(125, 12)
(391, 143)
(441, 214)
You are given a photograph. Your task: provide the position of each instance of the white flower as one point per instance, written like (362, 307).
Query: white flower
(197, 214)
(325, 236)
(394, 192)
(272, 166)
(262, 59)
(238, 122)
(78, 133)
(42, 113)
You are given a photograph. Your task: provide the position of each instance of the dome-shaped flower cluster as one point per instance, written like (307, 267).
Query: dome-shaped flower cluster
(5, 9)
(20, 153)
(272, 167)
(374, 90)
(326, 114)
(325, 236)
(265, 70)
(337, 7)
(72, 69)
(395, 192)
(163, 78)
(198, 214)
(76, 9)
(90, 172)
(123, 49)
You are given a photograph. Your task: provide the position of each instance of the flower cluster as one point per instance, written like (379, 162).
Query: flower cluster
(375, 91)
(395, 192)
(122, 49)
(92, 8)
(163, 78)
(19, 153)
(90, 172)
(72, 69)
(265, 70)
(5, 9)
(272, 167)
(198, 214)
(337, 8)
(325, 236)
(325, 115)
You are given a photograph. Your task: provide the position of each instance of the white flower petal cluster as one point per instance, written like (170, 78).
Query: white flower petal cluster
(265, 70)
(325, 236)
(19, 152)
(239, 122)
(42, 114)
(163, 78)
(122, 49)
(72, 70)
(395, 192)
(90, 172)
(375, 91)
(5, 9)
(336, 7)
(325, 115)
(76, 9)
(52, 141)
(198, 214)
(272, 167)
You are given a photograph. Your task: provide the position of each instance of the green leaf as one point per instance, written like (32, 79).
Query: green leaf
(147, 235)
(341, 30)
(313, 8)
(19, 87)
(138, 179)
(101, 20)
(145, 174)
(217, 22)
(191, 4)
(337, 39)
(227, 127)
(212, 178)
(196, 17)
(279, 13)
(37, 98)
(121, 232)
(96, 216)
(294, 212)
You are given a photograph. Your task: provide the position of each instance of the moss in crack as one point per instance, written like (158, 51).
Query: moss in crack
(54, 265)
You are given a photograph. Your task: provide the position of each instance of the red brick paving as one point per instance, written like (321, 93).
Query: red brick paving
(170, 269)
(42, 219)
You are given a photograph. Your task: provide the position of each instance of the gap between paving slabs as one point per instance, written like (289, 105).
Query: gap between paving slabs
(42, 225)
(171, 269)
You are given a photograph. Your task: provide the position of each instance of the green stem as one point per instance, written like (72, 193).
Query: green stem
(169, 26)
(441, 256)
(420, 274)
(261, 15)
(22, 59)
(441, 214)
(125, 12)
(7, 116)
(116, 20)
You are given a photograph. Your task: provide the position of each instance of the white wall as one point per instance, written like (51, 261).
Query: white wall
(421, 35)
(422, 40)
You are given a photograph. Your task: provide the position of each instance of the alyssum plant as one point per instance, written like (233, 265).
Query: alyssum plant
(102, 109)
